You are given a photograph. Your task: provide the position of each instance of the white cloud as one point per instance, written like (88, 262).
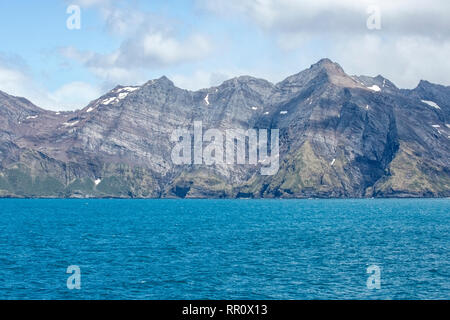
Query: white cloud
(17, 81)
(405, 60)
(160, 49)
(202, 79)
(74, 95)
(143, 52)
(330, 16)
(90, 3)
(413, 42)
(197, 80)
(148, 43)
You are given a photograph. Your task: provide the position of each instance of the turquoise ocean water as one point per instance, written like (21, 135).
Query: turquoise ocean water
(225, 249)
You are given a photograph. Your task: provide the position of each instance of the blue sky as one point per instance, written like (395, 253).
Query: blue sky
(200, 43)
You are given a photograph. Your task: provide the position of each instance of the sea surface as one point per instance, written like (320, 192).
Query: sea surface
(225, 249)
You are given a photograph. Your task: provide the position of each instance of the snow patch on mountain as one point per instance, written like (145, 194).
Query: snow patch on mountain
(123, 95)
(108, 101)
(374, 88)
(70, 124)
(129, 89)
(431, 104)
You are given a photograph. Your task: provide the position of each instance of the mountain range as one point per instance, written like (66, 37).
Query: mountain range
(341, 136)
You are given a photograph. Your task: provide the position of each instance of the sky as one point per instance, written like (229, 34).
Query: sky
(59, 65)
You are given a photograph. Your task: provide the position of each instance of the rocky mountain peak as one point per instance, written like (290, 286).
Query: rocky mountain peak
(245, 80)
(335, 74)
(321, 73)
(426, 88)
(376, 84)
(18, 104)
(329, 66)
(424, 84)
(162, 82)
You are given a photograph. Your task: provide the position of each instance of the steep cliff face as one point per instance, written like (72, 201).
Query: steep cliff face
(340, 136)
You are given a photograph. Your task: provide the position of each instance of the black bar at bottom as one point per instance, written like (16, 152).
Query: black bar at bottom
(222, 309)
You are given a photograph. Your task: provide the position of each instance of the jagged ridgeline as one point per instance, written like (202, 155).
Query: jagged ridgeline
(339, 136)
